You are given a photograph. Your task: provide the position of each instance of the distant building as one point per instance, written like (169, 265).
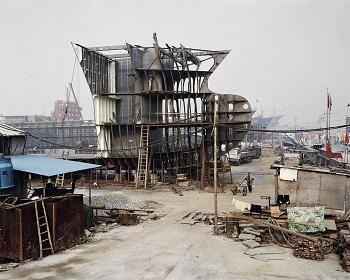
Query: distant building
(76, 134)
(66, 110)
(65, 127)
(10, 120)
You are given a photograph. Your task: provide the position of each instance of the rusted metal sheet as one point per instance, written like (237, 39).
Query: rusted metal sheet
(18, 229)
(66, 220)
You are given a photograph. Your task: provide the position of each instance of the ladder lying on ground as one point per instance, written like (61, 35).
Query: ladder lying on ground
(141, 172)
(60, 177)
(43, 227)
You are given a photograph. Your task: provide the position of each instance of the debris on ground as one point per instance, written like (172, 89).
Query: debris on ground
(120, 201)
(343, 249)
(258, 233)
(7, 266)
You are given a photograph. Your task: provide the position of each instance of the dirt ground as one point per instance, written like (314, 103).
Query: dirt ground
(170, 249)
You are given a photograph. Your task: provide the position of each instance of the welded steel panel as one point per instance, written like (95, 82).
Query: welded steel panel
(166, 89)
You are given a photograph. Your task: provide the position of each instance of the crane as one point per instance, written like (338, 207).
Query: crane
(75, 98)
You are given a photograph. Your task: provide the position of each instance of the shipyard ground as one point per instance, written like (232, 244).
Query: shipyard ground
(170, 249)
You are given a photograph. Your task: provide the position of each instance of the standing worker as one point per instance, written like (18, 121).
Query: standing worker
(250, 182)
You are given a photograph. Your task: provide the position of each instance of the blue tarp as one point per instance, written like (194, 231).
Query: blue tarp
(288, 140)
(47, 166)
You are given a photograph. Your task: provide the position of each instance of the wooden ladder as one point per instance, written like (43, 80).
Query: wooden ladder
(60, 177)
(43, 227)
(141, 172)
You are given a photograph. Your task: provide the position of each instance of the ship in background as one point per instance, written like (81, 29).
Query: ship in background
(154, 109)
(258, 128)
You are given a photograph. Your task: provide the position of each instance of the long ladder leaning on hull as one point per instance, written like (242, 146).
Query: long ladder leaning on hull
(43, 227)
(141, 172)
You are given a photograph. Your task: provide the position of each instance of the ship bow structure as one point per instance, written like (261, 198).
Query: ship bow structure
(156, 101)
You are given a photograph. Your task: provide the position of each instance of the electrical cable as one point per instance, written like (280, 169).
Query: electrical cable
(286, 237)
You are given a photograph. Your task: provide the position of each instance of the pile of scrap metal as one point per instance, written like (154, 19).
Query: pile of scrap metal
(121, 216)
(305, 245)
(28, 227)
(343, 249)
(343, 245)
(253, 231)
(308, 249)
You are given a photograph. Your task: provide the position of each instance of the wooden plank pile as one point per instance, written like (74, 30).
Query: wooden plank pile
(343, 249)
(198, 217)
(308, 249)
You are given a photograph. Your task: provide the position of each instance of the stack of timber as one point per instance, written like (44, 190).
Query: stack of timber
(344, 249)
(308, 249)
(195, 217)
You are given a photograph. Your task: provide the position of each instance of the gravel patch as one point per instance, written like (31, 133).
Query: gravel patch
(118, 200)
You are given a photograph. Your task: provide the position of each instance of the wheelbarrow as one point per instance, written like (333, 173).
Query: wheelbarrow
(240, 188)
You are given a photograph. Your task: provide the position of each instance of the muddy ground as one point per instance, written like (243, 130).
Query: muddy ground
(167, 248)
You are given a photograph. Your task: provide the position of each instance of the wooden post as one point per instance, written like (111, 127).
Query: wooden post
(215, 170)
(203, 162)
(44, 187)
(106, 175)
(90, 179)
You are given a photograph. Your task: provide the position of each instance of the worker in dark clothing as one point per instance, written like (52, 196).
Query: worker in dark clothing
(49, 184)
(250, 180)
(74, 180)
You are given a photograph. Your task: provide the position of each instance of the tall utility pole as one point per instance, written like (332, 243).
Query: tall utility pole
(329, 104)
(216, 231)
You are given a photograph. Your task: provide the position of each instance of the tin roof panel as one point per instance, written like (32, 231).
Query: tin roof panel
(47, 166)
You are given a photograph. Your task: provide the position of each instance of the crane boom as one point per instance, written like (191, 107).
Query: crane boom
(76, 100)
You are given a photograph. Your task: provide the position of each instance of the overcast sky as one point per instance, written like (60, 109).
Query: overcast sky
(284, 53)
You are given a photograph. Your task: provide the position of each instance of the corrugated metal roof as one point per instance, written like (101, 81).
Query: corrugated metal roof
(7, 130)
(47, 166)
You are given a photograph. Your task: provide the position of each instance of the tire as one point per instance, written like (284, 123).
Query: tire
(234, 190)
(249, 159)
(244, 191)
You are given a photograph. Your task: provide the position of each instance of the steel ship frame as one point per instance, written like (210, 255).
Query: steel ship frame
(154, 111)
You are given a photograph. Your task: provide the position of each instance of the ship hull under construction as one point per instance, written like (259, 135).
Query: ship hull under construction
(156, 102)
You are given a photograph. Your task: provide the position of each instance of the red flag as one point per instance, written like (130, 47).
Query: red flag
(329, 102)
(346, 138)
(329, 153)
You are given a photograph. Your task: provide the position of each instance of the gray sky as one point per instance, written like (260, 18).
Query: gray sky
(284, 53)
